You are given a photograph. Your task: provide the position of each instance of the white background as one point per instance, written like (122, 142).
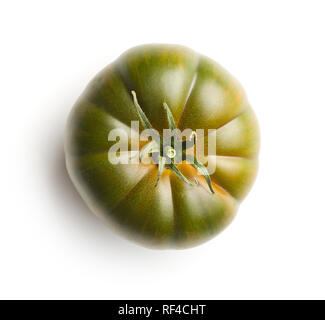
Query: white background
(51, 246)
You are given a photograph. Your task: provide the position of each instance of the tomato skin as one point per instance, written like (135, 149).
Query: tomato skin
(201, 95)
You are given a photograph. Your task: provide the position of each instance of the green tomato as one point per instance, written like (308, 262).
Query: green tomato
(200, 94)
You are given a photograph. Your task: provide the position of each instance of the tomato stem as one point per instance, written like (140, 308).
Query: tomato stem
(169, 151)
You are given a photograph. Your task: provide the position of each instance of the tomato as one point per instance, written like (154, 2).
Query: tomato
(199, 94)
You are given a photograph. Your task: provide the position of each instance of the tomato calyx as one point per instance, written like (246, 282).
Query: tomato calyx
(170, 150)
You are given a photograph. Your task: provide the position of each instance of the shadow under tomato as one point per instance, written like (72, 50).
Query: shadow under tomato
(78, 216)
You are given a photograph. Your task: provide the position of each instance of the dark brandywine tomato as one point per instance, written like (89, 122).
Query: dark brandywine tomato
(200, 94)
